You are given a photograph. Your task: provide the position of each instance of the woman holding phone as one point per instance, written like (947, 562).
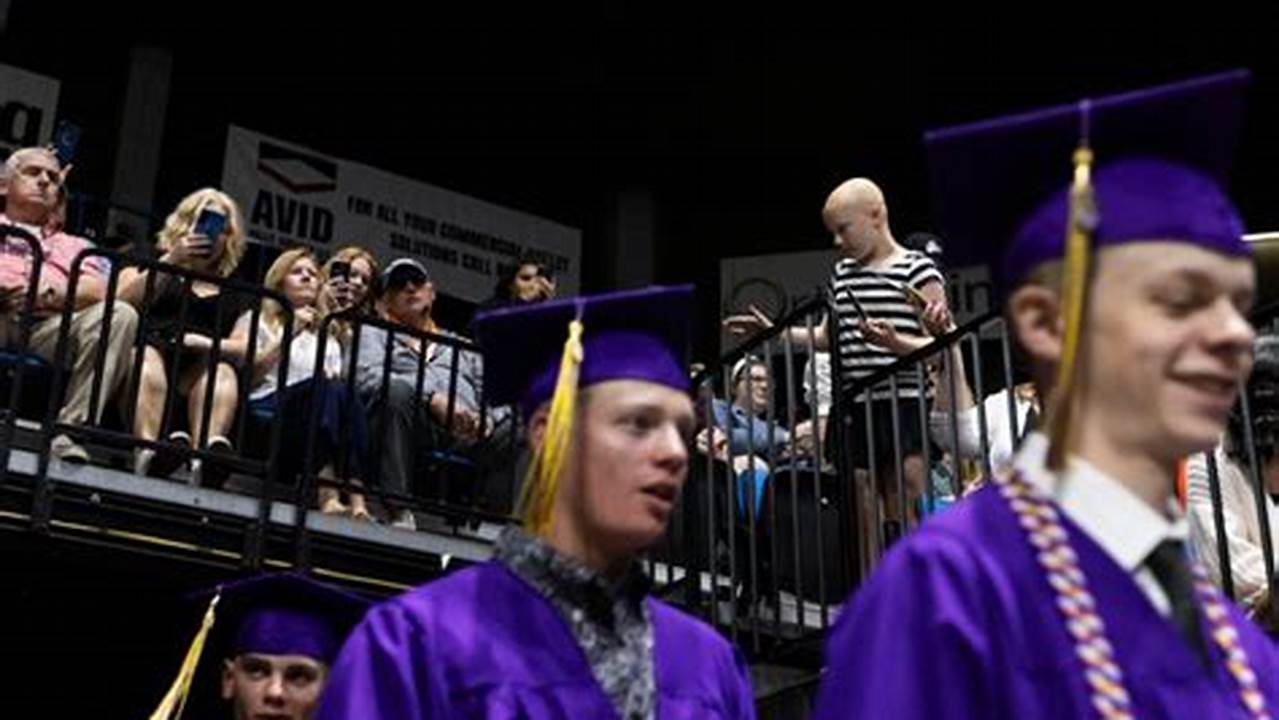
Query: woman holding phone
(525, 283)
(350, 273)
(205, 233)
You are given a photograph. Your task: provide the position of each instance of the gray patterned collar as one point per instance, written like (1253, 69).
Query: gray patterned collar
(609, 620)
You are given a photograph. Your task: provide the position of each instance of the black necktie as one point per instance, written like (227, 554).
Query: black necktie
(1032, 422)
(1168, 563)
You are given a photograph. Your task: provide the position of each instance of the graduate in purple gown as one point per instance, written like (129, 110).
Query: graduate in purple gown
(275, 635)
(1063, 589)
(559, 623)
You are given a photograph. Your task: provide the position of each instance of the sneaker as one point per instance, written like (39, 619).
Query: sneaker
(404, 520)
(167, 459)
(142, 458)
(68, 450)
(214, 472)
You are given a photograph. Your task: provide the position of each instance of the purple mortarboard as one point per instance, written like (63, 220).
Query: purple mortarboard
(1161, 163)
(1144, 166)
(280, 613)
(632, 335)
(286, 614)
(547, 352)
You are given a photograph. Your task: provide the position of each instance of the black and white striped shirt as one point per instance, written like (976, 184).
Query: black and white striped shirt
(881, 293)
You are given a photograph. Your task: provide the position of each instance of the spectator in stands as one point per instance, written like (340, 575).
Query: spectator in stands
(350, 274)
(560, 623)
(30, 183)
(275, 636)
(1002, 435)
(525, 283)
(739, 434)
(209, 313)
(1243, 530)
(310, 390)
(350, 280)
(745, 417)
(817, 394)
(398, 411)
(879, 290)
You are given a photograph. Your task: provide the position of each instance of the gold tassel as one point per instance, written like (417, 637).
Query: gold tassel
(175, 700)
(542, 481)
(1074, 296)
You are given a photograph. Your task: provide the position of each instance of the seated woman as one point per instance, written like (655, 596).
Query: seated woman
(350, 281)
(340, 420)
(350, 273)
(205, 233)
(525, 283)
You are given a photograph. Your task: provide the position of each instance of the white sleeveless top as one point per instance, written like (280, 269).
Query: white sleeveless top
(301, 359)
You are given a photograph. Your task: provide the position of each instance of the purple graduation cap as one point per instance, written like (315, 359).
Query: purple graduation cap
(286, 614)
(271, 614)
(1150, 165)
(631, 335)
(1161, 163)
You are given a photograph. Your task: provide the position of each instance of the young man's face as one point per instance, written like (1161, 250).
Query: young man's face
(273, 687)
(632, 460)
(1167, 345)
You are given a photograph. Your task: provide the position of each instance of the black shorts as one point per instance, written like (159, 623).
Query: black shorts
(911, 431)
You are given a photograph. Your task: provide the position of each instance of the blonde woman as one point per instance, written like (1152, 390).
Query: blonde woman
(309, 390)
(349, 274)
(205, 233)
(350, 277)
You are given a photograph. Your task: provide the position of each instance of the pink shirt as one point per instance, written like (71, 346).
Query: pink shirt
(60, 249)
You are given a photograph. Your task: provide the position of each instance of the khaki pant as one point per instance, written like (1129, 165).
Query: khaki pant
(82, 353)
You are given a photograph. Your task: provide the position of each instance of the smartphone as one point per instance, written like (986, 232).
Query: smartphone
(546, 272)
(210, 223)
(66, 138)
(340, 269)
(857, 306)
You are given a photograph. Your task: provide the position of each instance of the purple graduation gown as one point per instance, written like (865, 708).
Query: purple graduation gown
(482, 643)
(959, 622)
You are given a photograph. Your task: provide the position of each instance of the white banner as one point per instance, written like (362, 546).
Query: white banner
(292, 195)
(28, 103)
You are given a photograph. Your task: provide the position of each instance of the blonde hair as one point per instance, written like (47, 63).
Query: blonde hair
(179, 223)
(275, 275)
(349, 254)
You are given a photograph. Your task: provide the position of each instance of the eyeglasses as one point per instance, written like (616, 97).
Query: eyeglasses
(405, 275)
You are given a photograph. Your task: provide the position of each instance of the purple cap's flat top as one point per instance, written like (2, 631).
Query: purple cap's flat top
(285, 614)
(1163, 158)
